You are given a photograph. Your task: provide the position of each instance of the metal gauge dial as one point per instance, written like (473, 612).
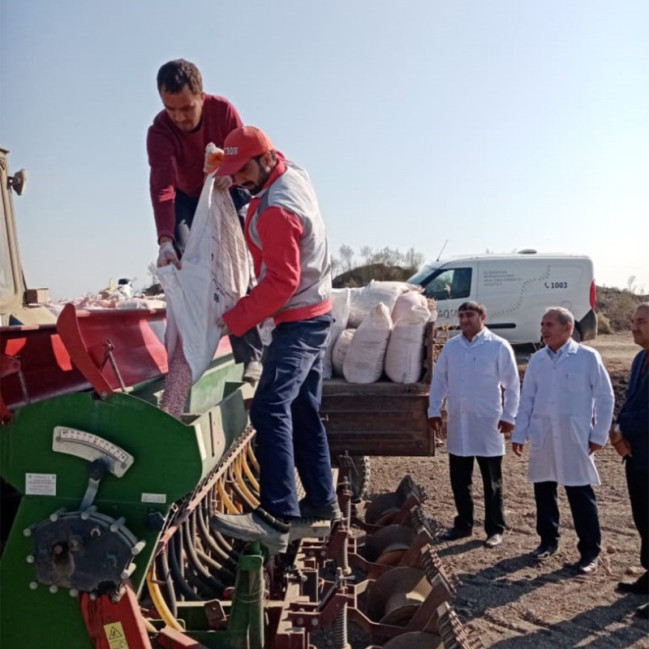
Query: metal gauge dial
(91, 447)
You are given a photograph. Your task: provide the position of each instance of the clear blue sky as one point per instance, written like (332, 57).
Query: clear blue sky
(495, 125)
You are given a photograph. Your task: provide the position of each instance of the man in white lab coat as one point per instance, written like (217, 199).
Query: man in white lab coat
(477, 373)
(566, 412)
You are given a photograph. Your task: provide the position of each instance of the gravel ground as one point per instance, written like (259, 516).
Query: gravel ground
(513, 602)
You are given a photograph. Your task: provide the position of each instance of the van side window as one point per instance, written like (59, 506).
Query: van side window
(448, 284)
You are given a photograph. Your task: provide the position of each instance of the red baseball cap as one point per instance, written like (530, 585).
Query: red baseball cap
(240, 146)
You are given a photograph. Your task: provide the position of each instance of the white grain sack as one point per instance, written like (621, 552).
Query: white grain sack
(364, 359)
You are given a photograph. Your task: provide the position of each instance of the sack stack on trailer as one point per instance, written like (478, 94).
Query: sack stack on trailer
(379, 333)
(377, 370)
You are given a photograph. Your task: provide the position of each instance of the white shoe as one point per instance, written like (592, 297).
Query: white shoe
(494, 540)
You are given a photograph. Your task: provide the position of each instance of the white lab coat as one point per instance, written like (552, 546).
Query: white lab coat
(472, 375)
(565, 403)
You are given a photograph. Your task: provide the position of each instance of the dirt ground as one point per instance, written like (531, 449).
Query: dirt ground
(513, 602)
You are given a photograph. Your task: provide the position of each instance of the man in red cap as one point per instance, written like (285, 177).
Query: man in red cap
(176, 143)
(286, 238)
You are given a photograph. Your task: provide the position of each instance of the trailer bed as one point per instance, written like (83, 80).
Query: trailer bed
(381, 418)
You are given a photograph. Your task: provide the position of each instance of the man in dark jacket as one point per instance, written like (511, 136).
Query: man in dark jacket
(630, 437)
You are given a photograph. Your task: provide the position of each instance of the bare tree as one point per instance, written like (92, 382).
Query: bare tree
(366, 254)
(346, 257)
(152, 269)
(413, 259)
(630, 284)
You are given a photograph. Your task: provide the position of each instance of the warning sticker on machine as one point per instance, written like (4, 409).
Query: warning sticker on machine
(115, 635)
(154, 498)
(40, 484)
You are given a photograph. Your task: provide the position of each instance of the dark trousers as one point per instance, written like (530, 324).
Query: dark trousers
(461, 471)
(245, 348)
(583, 506)
(285, 414)
(638, 484)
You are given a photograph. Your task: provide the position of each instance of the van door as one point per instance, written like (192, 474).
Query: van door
(517, 292)
(450, 285)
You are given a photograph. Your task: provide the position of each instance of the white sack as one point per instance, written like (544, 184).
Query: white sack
(406, 301)
(364, 360)
(339, 317)
(214, 275)
(405, 353)
(364, 299)
(339, 350)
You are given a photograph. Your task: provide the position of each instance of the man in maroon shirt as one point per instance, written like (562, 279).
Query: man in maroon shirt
(176, 144)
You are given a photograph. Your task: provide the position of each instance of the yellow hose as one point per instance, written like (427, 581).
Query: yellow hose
(245, 492)
(252, 479)
(230, 507)
(252, 458)
(159, 604)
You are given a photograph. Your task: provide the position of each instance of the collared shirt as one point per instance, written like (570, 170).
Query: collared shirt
(555, 355)
(480, 380)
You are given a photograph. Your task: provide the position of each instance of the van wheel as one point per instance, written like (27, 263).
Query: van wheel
(360, 474)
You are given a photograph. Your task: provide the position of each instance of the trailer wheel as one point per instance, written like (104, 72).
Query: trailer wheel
(360, 474)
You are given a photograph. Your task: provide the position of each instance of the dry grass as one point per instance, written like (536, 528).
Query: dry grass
(614, 308)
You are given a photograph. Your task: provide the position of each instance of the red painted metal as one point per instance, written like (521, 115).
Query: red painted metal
(40, 362)
(134, 337)
(115, 624)
(40, 367)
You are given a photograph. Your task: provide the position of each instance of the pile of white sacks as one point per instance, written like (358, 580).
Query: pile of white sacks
(378, 329)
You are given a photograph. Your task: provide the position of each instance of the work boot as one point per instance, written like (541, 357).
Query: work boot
(328, 512)
(256, 526)
(309, 528)
(251, 372)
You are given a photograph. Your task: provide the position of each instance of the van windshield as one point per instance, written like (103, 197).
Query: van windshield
(445, 283)
(421, 274)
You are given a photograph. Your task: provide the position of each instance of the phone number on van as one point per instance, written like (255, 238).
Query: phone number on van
(556, 285)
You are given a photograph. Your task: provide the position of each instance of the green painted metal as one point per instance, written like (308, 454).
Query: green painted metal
(245, 626)
(170, 459)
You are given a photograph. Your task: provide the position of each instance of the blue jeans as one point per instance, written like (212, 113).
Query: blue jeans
(285, 414)
(247, 347)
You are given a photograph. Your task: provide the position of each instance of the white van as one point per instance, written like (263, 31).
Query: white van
(516, 289)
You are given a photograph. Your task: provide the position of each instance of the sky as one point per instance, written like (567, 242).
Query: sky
(424, 124)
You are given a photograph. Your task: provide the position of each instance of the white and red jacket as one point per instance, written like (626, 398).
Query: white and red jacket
(288, 244)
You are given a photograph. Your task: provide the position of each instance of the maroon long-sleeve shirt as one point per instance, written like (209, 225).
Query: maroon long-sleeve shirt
(176, 158)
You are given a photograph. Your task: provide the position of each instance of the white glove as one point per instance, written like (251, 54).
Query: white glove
(167, 255)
